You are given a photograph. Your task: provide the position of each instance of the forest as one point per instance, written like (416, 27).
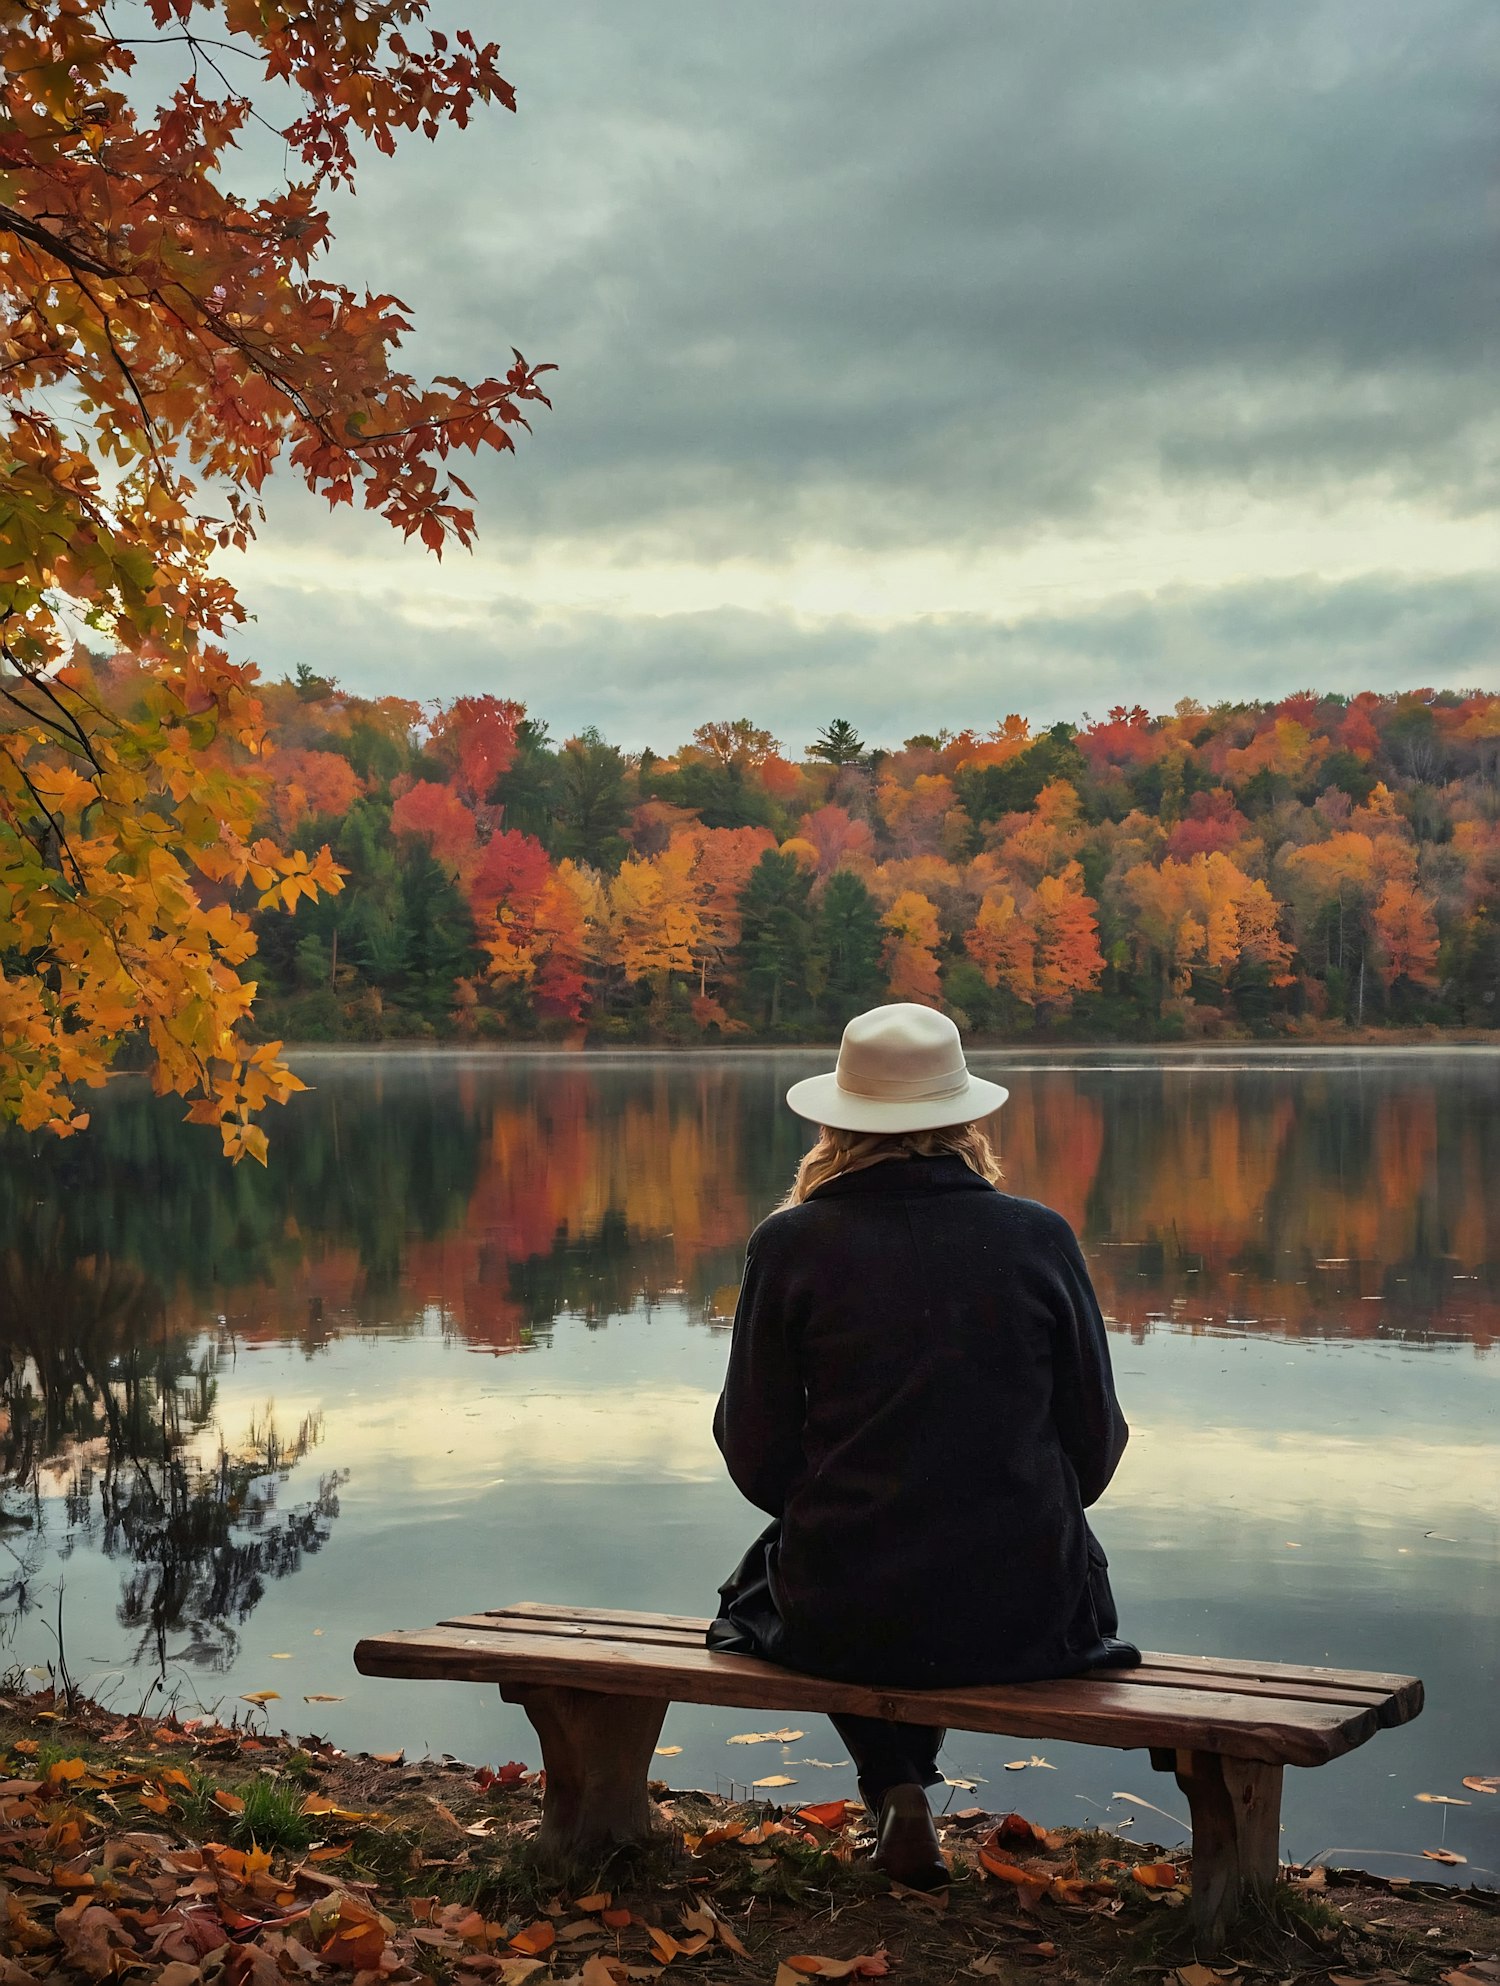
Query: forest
(1302, 867)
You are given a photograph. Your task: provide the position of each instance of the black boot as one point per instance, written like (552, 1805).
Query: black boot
(906, 1842)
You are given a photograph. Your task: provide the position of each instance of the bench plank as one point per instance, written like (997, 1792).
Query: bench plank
(1170, 1670)
(1100, 1710)
(1375, 1682)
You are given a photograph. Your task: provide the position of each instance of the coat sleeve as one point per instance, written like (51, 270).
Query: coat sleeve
(759, 1419)
(1089, 1422)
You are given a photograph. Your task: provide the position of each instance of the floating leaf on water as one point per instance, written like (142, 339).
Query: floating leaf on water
(261, 1696)
(766, 1738)
(1443, 1799)
(317, 1697)
(1445, 1855)
(668, 1751)
(1484, 1783)
(776, 1779)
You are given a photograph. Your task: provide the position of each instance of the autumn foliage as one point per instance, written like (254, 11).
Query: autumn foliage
(164, 342)
(1240, 870)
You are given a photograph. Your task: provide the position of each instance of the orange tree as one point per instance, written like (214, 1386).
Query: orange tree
(163, 341)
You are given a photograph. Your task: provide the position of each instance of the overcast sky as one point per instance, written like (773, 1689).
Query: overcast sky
(928, 360)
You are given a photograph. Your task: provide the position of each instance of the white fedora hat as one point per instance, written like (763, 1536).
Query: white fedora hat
(901, 1068)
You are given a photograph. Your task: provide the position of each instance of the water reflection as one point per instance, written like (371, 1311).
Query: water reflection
(110, 1416)
(485, 1199)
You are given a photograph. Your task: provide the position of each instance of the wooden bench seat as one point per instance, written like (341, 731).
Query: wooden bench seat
(597, 1683)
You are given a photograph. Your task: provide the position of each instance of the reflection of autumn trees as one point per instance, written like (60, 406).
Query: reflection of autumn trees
(1330, 1207)
(488, 1198)
(105, 1407)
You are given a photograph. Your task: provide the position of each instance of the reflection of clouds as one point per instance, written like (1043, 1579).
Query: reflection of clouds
(1187, 1473)
(449, 1442)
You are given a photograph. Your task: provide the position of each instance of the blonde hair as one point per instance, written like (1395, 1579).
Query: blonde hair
(852, 1151)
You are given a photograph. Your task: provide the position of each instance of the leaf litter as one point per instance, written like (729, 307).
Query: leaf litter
(129, 1851)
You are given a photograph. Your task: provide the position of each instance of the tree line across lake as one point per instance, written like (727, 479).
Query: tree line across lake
(1250, 867)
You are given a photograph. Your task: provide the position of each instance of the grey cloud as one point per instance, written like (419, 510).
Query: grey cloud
(652, 680)
(890, 275)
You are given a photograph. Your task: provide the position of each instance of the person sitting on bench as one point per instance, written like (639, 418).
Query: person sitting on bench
(919, 1396)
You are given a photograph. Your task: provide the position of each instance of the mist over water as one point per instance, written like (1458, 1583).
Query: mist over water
(459, 1345)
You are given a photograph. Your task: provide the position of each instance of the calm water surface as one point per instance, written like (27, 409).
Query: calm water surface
(460, 1345)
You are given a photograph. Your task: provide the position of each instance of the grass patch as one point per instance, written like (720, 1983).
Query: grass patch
(272, 1818)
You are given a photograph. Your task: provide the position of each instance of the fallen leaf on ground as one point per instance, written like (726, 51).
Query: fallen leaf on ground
(598, 1971)
(867, 1965)
(516, 1971)
(1203, 1975)
(766, 1738)
(729, 1938)
(831, 1813)
(1002, 1870)
(537, 1937)
(599, 1899)
(230, 1803)
(1155, 1875)
(388, 1758)
(617, 1919)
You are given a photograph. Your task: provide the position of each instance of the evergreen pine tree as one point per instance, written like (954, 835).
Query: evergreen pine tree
(849, 939)
(776, 931)
(438, 930)
(838, 743)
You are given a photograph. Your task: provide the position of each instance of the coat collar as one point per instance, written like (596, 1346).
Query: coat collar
(945, 1174)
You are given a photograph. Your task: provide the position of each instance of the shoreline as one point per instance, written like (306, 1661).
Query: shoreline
(1043, 1052)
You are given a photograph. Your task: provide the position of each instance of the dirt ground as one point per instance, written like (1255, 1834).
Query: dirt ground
(189, 1854)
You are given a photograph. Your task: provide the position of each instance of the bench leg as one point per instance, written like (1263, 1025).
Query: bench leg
(1235, 1808)
(596, 1751)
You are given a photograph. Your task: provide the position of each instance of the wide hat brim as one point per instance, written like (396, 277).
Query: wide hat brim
(821, 1099)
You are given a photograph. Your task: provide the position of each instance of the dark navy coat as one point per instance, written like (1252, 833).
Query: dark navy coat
(919, 1395)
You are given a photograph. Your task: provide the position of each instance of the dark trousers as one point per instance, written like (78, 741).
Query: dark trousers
(887, 1755)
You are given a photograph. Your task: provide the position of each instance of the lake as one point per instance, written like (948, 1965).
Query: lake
(460, 1345)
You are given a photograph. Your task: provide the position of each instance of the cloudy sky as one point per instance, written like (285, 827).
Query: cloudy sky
(922, 360)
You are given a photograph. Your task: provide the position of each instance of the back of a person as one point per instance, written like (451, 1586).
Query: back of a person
(919, 1397)
(926, 1344)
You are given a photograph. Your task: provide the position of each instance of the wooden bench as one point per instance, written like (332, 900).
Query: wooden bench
(596, 1684)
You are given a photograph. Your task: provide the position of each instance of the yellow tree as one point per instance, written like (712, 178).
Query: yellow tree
(164, 341)
(910, 953)
(655, 924)
(1000, 944)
